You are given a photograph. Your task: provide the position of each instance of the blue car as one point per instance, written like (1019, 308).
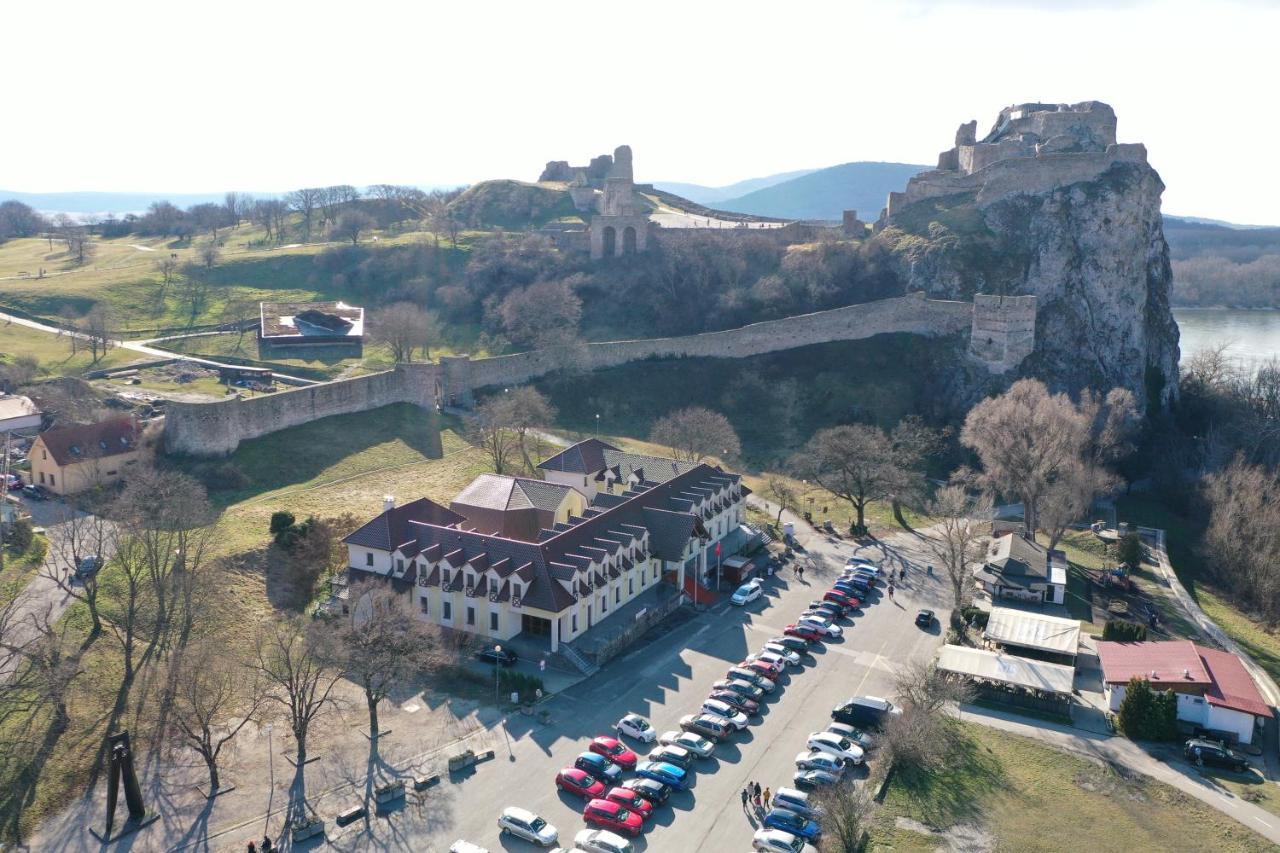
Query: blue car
(789, 821)
(667, 774)
(854, 588)
(599, 767)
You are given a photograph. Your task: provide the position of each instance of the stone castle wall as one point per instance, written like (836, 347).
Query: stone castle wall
(1002, 333)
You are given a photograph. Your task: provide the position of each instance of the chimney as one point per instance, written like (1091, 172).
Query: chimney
(388, 503)
(1186, 673)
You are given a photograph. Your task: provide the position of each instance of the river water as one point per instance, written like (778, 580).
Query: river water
(1250, 336)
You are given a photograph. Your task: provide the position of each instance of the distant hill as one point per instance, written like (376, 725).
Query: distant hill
(711, 195)
(826, 193)
(102, 203)
(1189, 237)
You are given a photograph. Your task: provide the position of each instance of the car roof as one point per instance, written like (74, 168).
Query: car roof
(791, 794)
(519, 814)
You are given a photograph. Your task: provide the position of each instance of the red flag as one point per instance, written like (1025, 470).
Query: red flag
(717, 549)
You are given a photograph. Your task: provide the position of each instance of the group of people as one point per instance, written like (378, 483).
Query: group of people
(752, 794)
(264, 847)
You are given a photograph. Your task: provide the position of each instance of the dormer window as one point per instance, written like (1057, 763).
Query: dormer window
(515, 590)
(444, 577)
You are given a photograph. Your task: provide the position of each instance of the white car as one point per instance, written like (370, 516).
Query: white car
(836, 745)
(783, 652)
(747, 593)
(774, 658)
(716, 708)
(461, 846)
(823, 626)
(601, 841)
(523, 823)
(820, 761)
(780, 841)
(696, 744)
(636, 726)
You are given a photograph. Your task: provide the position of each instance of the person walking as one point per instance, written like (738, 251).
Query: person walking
(890, 591)
(767, 797)
(746, 795)
(756, 787)
(799, 572)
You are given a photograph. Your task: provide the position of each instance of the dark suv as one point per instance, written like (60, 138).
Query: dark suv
(1204, 752)
(506, 657)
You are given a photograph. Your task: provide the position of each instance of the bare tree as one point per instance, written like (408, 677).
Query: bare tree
(195, 290)
(847, 810)
(492, 431)
(957, 538)
(404, 327)
(924, 735)
(913, 443)
(852, 463)
(528, 410)
(352, 224)
(780, 491)
(96, 327)
(544, 314)
(304, 201)
(383, 645)
(1243, 537)
(696, 433)
(74, 537)
(209, 254)
(299, 665)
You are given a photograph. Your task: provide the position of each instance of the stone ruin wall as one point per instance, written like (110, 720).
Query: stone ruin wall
(1002, 333)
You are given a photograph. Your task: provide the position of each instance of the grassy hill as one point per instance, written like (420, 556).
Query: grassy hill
(826, 193)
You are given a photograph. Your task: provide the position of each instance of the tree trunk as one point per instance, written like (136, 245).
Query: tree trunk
(301, 738)
(861, 528)
(373, 716)
(213, 774)
(897, 514)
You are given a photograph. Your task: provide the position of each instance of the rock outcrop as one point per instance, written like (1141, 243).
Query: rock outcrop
(1049, 204)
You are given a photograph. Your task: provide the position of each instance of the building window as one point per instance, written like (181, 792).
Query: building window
(493, 621)
(444, 577)
(617, 596)
(52, 482)
(515, 590)
(655, 571)
(631, 586)
(446, 610)
(399, 564)
(425, 608)
(575, 623)
(42, 478)
(604, 604)
(471, 615)
(368, 558)
(44, 455)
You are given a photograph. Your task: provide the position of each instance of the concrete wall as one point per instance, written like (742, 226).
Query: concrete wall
(1002, 334)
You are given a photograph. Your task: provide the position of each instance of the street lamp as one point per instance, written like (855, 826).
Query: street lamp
(597, 424)
(497, 656)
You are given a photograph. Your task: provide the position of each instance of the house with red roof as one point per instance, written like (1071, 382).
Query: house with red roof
(1214, 689)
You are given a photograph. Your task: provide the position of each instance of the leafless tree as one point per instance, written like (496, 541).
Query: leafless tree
(304, 201)
(383, 645)
(213, 698)
(404, 327)
(852, 463)
(527, 411)
(924, 735)
(300, 667)
(236, 206)
(352, 224)
(239, 312)
(780, 491)
(168, 269)
(73, 537)
(957, 538)
(209, 254)
(195, 290)
(37, 662)
(545, 314)
(1243, 537)
(913, 443)
(847, 810)
(492, 431)
(696, 433)
(97, 329)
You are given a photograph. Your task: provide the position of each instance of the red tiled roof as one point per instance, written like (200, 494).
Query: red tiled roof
(1161, 663)
(91, 441)
(1232, 686)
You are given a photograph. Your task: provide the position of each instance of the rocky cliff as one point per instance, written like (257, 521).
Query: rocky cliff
(1048, 204)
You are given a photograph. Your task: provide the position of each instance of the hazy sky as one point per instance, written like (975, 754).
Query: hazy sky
(270, 95)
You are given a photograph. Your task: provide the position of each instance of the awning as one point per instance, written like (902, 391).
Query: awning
(1007, 669)
(1054, 634)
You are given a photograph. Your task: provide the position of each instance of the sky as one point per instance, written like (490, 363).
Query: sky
(268, 96)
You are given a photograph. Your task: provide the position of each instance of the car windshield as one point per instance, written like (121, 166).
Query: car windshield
(639, 723)
(537, 824)
(616, 749)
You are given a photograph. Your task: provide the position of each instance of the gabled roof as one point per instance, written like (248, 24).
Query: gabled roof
(1014, 556)
(1232, 685)
(390, 530)
(1012, 627)
(595, 457)
(585, 457)
(500, 492)
(1219, 675)
(91, 441)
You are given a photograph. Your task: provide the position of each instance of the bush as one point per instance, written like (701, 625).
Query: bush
(1146, 714)
(20, 535)
(1129, 550)
(224, 477)
(280, 522)
(975, 616)
(1124, 632)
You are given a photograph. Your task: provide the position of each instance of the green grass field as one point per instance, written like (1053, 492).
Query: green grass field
(1022, 797)
(54, 352)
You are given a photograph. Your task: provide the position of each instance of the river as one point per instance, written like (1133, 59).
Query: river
(1251, 336)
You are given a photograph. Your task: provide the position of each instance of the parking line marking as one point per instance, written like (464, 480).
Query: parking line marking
(1261, 821)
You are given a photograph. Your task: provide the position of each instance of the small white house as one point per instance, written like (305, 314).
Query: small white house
(1019, 569)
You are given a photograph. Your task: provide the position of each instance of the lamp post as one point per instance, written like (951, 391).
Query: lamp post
(497, 656)
(597, 424)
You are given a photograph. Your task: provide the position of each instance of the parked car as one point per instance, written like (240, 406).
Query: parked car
(600, 841)
(747, 593)
(848, 602)
(779, 841)
(769, 670)
(796, 824)
(600, 767)
(732, 715)
(631, 801)
(524, 824)
(795, 801)
(743, 688)
(853, 587)
(865, 573)
(868, 711)
(751, 677)
(505, 657)
(463, 846)
(815, 778)
(636, 726)
(861, 561)
(671, 754)
(15, 482)
(736, 701)
(796, 644)
(780, 658)
(614, 750)
(791, 656)
(611, 816)
(823, 626)
(829, 609)
(925, 619)
(34, 492)
(708, 726)
(1202, 752)
(852, 733)
(670, 775)
(803, 632)
(695, 744)
(580, 783)
(814, 760)
(88, 566)
(835, 745)
(651, 789)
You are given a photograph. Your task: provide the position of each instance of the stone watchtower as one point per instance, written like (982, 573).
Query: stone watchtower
(622, 226)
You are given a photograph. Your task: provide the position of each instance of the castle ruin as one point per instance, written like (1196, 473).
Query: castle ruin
(605, 188)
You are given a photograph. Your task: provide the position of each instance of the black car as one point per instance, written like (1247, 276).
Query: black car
(745, 689)
(734, 699)
(854, 587)
(832, 611)
(924, 619)
(796, 644)
(36, 493)
(506, 657)
(651, 789)
(864, 712)
(1204, 752)
(88, 566)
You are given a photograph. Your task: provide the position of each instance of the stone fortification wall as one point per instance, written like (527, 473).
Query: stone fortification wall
(1004, 331)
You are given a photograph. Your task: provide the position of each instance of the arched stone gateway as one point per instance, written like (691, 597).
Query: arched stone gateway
(609, 240)
(629, 240)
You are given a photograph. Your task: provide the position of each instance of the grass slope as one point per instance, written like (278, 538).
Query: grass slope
(54, 352)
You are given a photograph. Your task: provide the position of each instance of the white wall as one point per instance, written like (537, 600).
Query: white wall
(1227, 720)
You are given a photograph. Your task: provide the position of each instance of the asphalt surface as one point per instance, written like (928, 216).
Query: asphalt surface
(669, 677)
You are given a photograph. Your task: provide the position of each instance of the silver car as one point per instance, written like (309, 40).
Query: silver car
(524, 824)
(835, 745)
(696, 744)
(783, 652)
(734, 717)
(814, 760)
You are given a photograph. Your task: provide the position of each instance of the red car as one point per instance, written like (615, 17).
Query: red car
(803, 632)
(768, 670)
(631, 801)
(848, 602)
(607, 814)
(579, 782)
(614, 750)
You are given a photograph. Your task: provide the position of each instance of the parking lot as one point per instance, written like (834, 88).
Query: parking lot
(668, 678)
